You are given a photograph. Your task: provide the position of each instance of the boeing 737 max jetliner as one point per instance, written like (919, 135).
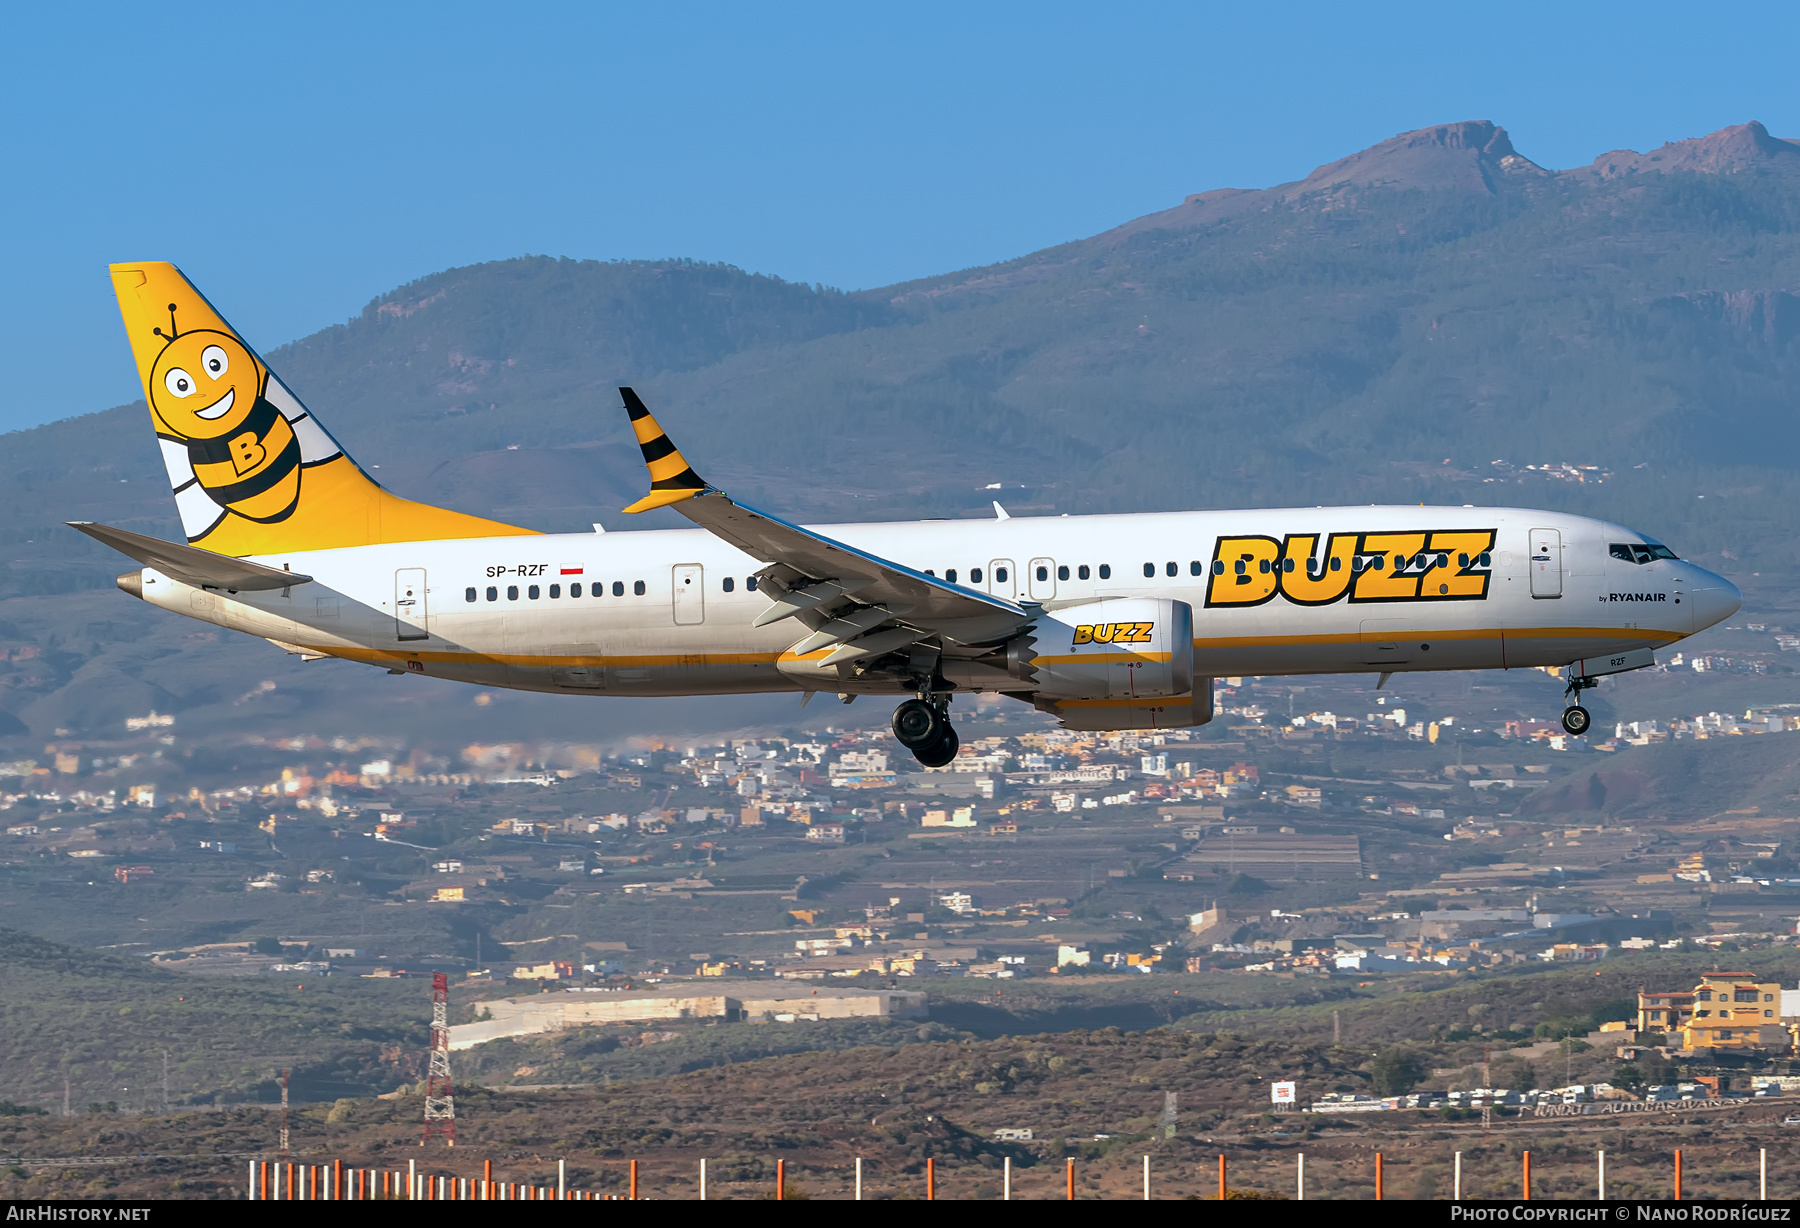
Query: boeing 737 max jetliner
(1107, 622)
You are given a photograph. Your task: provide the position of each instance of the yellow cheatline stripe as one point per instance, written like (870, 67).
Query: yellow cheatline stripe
(1495, 633)
(496, 658)
(355, 653)
(1174, 701)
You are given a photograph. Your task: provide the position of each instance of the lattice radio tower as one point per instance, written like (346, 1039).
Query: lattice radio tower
(440, 1099)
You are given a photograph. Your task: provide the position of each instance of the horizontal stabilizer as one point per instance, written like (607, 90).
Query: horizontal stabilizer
(190, 564)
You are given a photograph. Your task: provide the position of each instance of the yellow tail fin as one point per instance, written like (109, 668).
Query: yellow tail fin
(252, 470)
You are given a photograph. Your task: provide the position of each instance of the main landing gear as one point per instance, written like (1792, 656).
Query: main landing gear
(923, 727)
(1575, 718)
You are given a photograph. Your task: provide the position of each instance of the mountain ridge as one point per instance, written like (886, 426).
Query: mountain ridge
(1362, 339)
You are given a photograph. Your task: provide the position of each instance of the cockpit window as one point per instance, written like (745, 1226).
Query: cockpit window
(1640, 552)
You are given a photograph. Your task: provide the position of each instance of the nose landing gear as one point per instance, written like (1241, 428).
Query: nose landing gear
(1575, 718)
(923, 727)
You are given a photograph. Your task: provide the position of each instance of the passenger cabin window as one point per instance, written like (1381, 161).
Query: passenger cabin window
(512, 592)
(1082, 572)
(1171, 569)
(638, 588)
(950, 574)
(533, 592)
(730, 584)
(555, 591)
(1218, 567)
(574, 590)
(999, 575)
(974, 575)
(750, 583)
(493, 594)
(1106, 571)
(618, 588)
(1149, 570)
(1062, 573)
(1636, 552)
(1196, 568)
(468, 594)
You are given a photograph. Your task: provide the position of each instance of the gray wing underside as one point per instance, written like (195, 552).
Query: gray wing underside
(850, 598)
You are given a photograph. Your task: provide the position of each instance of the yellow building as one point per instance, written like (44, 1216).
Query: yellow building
(1664, 1012)
(1734, 1010)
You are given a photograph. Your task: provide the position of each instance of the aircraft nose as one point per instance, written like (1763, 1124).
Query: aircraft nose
(1714, 598)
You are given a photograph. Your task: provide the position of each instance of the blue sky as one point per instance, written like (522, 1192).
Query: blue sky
(297, 160)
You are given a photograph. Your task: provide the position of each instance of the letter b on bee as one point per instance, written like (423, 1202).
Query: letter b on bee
(246, 452)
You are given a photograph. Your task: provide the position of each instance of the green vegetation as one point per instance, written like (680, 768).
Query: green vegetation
(1396, 1070)
(105, 1022)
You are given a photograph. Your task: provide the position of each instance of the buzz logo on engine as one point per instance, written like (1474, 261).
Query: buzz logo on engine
(1114, 633)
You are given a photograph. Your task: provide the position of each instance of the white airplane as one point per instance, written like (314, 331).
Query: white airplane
(1107, 622)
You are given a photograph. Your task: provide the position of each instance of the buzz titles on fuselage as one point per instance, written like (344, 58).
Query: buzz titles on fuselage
(1315, 569)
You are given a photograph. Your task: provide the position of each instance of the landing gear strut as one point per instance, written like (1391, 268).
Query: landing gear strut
(1575, 718)
(923, 727)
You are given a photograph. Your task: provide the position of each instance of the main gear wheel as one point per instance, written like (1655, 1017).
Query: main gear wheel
(917, 724)
(1575, 720)
(940, 752)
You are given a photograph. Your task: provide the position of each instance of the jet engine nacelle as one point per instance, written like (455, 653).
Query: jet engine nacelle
(1116, 648)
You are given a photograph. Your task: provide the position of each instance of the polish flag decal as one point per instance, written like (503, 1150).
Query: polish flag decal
(571, 571)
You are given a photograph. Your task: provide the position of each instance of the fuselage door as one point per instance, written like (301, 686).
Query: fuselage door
(1042, 579)
(1384, 642)
(690, 594)
(1545, 557)
(1002, 580)
(409, 604)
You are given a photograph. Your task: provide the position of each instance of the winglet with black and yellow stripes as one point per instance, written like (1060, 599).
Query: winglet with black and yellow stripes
(672, 479)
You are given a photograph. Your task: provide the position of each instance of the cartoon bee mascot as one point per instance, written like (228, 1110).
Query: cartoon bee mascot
(229, 446)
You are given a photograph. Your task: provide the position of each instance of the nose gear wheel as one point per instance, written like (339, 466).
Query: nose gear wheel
(1575, 718)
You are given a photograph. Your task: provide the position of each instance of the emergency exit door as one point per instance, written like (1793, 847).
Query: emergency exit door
(689, 582)
(1001, 580)
(409, 604)
(1546, 563)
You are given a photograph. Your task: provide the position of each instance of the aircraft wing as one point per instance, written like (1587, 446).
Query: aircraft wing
(855, 603)
(190, 564)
